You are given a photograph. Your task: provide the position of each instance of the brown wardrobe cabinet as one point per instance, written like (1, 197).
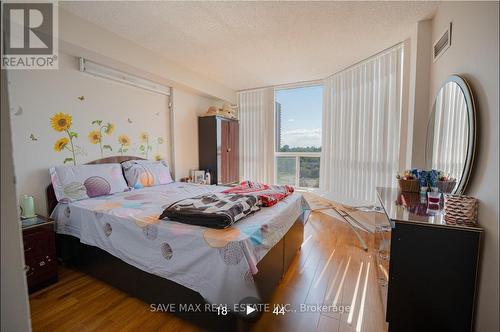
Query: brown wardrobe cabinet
(218, 142)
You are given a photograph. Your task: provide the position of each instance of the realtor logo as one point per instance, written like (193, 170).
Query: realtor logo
(29, 32)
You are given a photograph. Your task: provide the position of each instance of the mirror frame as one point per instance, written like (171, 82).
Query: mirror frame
(471, 118)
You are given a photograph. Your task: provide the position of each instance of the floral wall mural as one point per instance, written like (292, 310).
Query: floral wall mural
(145, 147)
(72, 118)
(159, 141)
(61, 122)
(97, 136)
(124, 142)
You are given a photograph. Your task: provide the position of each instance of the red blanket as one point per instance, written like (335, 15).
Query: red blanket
(268, 195)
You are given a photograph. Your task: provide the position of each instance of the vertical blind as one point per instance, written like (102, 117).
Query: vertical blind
(256, 113)
(450, 130)
(362, 108)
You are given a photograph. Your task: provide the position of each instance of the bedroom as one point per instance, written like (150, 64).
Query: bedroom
(271, 129)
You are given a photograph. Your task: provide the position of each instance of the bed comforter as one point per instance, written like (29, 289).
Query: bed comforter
(217, 263)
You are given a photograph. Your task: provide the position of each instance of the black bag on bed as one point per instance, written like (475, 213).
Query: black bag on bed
(214, 210)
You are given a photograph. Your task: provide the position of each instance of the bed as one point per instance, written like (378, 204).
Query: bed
(119, 239)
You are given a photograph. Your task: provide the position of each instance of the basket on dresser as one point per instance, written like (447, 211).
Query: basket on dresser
(446, 187)
(409, 185)
(460, 209)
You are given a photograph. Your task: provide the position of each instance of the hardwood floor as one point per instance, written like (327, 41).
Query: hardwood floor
(330, 268)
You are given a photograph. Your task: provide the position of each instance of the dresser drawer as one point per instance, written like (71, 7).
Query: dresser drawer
(39, 269)
(38, 241)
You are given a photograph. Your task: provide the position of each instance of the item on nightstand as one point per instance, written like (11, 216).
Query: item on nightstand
(199, 176)
(208, 177)
(460, 209)
(27, 207)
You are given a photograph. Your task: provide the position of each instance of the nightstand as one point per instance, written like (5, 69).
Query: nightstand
(39, 252)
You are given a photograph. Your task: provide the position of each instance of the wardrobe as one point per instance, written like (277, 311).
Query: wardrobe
(218, 143)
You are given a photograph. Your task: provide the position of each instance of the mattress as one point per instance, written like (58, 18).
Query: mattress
(217, 263)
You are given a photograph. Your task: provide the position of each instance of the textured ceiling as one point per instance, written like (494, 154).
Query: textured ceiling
(253, 44)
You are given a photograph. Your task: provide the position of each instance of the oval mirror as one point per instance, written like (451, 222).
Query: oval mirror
(451, 132)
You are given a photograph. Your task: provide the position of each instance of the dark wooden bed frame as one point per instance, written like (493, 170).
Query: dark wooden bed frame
(157, 290)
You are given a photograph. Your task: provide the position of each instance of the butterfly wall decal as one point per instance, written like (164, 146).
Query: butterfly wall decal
(82, 98)
(33, 138)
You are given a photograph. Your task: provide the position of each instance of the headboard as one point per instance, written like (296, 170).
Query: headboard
(50, 194)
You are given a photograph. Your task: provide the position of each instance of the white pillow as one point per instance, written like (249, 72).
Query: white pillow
(73, 183)
(146, 173)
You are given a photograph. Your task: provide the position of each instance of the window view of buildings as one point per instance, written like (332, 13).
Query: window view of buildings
(298, 114)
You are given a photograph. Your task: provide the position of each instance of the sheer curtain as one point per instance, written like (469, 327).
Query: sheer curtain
(361, 127)
(450, 130)
(256, 113)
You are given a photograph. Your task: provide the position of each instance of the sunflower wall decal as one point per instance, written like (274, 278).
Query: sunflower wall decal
(60, 144)
(124, 142)
(96, 136)
(159, 141)
(145, 147)
(61, 122)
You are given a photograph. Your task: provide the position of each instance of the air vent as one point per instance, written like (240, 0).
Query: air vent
(442, 44)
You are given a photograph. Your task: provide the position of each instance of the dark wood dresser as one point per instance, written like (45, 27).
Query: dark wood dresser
(218, 144)
(39, 252)
(427, 267)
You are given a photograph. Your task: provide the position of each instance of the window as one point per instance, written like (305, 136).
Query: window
(298, 113)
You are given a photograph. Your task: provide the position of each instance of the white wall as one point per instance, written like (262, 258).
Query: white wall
(15, 310)
(36, 95)
(474, 53)
(187, 107)
(422, 58)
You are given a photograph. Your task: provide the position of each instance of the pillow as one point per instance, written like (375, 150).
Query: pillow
(73, 183)
(146, 173)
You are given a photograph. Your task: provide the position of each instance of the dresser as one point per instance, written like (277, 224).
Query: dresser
(39, 252)
(218, 146)
(426, 266)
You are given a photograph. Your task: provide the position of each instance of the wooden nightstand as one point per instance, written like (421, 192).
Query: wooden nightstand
(39, 252)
